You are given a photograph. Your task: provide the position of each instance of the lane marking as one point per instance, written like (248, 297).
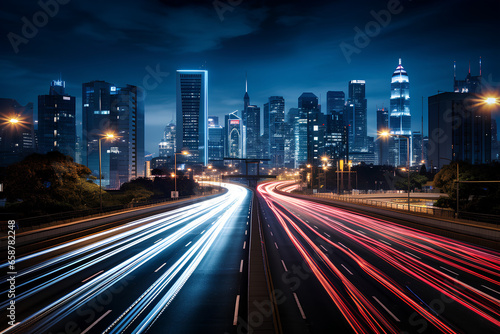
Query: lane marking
(413, 255)
(361, 232)
(300, 306)
(341, 244)
(448, 270)
(160, 267)
(385, 308)
(241, 266)
(347, 269)
(385, 242)
(246, 231)
(247, 223)
(202, 232)
(484, 286)
(95, 322)
(327, 234)
(276, 245)
(272, 234)
(315, 227)
(244, 244)
(283, 263)
(85, 280)
(268, 225)
(157, 241)
(236, 308)
(323, 248)
(188, 244)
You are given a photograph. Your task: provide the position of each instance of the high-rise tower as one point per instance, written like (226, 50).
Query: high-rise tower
(57, 121)
(399, 115)
(192, 114)
(356, 110)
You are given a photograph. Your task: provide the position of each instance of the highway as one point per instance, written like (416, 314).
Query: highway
(181, 271)
(343, 272)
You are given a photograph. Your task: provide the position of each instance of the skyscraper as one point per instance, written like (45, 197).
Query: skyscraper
(336, 138)
(192, 114)
(459, 130)
(356, 109)
(252, 142)
(308, 102)
(399, 115)
(471, 83)
(298, 118)
(383, 142)
(57, 121)
(277, 130)
(166, 147)
(335, 101)
(234, 136)
(17, 135)
(111, 109)
(265, 140)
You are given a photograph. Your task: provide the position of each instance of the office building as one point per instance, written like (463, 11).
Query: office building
(471, 83)
(120, 111)
(308, 103)
(382, 143)
(336, 136)
(335, 101)
(234, 136)
(192, 115)
(277, 131)
(399, 116)
(166, 147)
(356, 110)
(459, 130)
(298, 118)
(57, 121)
(252, 131)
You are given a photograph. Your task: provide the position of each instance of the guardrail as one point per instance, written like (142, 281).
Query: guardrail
(437, 212)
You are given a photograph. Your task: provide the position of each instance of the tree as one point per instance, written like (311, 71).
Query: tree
(47, 183)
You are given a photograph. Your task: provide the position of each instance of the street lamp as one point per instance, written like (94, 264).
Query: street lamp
(311, 167)
(388, 134)
(176, 195)
(106, 136)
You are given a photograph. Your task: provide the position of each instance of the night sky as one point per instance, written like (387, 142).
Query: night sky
(287, 47)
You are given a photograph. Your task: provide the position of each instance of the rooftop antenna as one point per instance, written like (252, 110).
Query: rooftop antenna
(469, 66)
(399, 61)
(480, 66)
(246, 83)
(455, 70)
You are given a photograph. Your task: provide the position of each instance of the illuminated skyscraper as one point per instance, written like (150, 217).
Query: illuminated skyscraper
(308, 102)
(192, 115)
(252, 123)
(166, 148)
(356, 110)
(276, 130)
(57, 121)
(399, 115)
(234, 142)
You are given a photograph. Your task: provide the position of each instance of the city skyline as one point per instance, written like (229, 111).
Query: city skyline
(264, 40)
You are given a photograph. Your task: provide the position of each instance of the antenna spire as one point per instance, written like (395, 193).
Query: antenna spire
(246, 83)
(455, 70)
(400, 61)
(480, 66)
(469, 66)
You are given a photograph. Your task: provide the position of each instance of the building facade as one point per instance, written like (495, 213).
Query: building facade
(399, 116)
(459, 130)
(192, 115)
(57, 121)
(277, 131)
(356, 110)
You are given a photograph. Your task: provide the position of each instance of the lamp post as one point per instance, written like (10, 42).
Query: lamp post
(387, 134)
(311, 167)
(175, 171)
(106, 136)
(325, 168)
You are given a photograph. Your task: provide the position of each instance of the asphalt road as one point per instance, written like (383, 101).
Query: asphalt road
(344, 272)
(176, 272)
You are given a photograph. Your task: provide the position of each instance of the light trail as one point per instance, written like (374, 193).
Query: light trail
(154, 235)
(418, 255)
